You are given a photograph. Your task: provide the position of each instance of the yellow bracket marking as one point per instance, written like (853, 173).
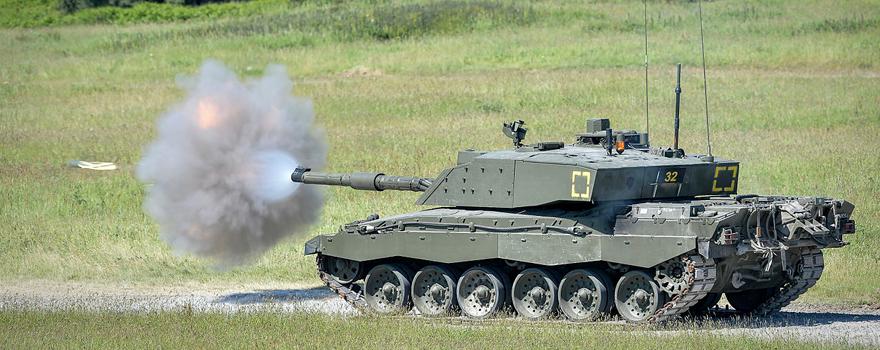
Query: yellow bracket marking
(733, 170)
(574, 180)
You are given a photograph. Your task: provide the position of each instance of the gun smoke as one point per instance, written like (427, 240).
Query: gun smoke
(221, 163)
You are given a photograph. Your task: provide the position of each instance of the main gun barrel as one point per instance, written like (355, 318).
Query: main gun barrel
(361, 181)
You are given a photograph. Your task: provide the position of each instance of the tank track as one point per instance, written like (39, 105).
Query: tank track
(701, 278)
(351, 294)
(809, 271)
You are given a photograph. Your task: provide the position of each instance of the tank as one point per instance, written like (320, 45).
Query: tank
(603, 225)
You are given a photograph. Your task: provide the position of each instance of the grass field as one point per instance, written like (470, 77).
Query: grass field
(794, 95)
(271, 330)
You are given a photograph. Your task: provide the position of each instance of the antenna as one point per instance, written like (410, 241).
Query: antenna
(677, 105)
(647, 122)
(705, 88)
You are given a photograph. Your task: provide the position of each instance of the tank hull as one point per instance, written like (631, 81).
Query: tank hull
(690, 250)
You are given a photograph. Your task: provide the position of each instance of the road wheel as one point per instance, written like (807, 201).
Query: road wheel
(534, 293)
(637, 296)
(584, 294)
(433, 290)
(481, 292)
(387, 288)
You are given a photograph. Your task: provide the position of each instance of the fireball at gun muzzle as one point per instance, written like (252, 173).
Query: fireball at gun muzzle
(362, 181)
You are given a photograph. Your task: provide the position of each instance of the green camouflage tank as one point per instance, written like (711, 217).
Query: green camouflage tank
(602, 225)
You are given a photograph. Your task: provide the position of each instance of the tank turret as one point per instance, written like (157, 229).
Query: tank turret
(591, 170)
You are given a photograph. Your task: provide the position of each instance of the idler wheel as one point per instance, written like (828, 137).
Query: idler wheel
(637, 296)
(343, 270)
(584, 295)
(387, 288)
(534, 293)
(481, 292)
(433, 290)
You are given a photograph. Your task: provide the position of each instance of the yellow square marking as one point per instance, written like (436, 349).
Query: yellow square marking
(574, 181)
(733, 170)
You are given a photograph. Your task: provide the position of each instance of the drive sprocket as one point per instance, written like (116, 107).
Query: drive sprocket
(672, 276)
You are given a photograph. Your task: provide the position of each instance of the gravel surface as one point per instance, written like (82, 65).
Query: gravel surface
(857, 326)
(199, 298)
(802, 322)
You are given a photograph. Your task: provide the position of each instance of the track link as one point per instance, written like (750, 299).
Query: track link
(808, 273)
(351, 293)
(701, 278)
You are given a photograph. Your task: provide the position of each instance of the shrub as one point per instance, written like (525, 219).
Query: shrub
(347, 23)
(71, 6)
(381, 22)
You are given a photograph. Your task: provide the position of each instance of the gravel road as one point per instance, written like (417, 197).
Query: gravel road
(857, 326)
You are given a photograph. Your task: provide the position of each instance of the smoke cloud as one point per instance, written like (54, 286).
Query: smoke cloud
(221, 163)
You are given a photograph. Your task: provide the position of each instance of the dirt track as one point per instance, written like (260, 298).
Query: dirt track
(799, 321)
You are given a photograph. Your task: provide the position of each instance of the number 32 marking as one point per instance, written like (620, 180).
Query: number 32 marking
(671, 176)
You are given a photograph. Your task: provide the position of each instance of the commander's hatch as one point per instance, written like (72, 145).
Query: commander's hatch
(596, 136)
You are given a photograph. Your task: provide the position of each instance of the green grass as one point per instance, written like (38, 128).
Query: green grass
(794, 92)
(28, 330)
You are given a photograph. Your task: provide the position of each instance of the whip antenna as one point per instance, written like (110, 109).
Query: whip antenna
(705, 89)
(647, 122)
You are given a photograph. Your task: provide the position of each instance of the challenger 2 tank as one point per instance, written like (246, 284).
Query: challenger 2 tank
(602, 225)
